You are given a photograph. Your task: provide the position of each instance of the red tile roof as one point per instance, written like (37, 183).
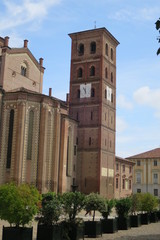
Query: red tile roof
(154, 153)
(124, 160)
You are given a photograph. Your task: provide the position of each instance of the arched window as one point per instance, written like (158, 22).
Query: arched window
(106, 49)
(105, 93)
(112, 97)
(91, 115)
(10, 139)
(106, 73)
(30, 135)
(81, 49)
(92, 71)
(112, 77)
(78, 93)
(80, 73)
(77, 116)
(24, 69)
(93, 47)
(111, 54)
(92, 92)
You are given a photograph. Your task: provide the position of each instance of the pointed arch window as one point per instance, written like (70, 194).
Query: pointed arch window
(80, 73)
(30, 135)
(10, 139)
(24, 69)
(93, 47)
(92, 71)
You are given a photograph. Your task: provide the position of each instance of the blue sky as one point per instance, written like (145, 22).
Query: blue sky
(47, 23)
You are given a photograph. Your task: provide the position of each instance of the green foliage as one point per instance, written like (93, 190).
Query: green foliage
(123, 206)
(18, 204)
(149, 203)
(73, 203)
(109, 205)
(158, 38)
(95, 202)
(51, 209)
(136, 203)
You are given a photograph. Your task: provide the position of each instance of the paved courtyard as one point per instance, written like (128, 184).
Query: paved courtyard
(145, 232)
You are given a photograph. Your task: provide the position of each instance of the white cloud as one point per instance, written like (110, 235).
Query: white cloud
(148, 97)
(27, 11)
(123, 102)
(142, 14)
(15, 40)
(121, 125)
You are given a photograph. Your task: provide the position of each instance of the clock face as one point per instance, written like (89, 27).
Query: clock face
(109, 93)
(88, 90)
(82, 91)
(85, 90)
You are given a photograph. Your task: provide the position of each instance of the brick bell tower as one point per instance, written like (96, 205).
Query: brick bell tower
(92, 102)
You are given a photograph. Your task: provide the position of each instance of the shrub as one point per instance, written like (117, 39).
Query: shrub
(123, 206)
(149, 203)
(50, 210)
(18, 204)
(73, 203)
(109, 205)
(136, 203)
(95, 202)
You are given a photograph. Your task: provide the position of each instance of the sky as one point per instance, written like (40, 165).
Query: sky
(47, 23)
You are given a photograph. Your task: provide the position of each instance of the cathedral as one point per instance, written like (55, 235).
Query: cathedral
(53, 144)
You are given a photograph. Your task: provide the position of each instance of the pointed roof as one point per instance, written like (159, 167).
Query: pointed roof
(27, 51)
(154, 153)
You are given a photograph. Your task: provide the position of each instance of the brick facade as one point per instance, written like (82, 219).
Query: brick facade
(53, 144)
(95, 112)
(123, 185)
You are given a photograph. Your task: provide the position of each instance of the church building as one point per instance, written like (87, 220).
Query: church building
(60, 145)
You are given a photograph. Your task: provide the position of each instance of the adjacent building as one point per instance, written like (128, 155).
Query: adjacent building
(146, 176)
(123, 177)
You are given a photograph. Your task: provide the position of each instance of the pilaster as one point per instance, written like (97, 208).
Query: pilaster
(19, 161)
(42, 147)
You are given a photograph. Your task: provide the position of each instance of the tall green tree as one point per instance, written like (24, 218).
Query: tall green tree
(18, 204)
(158, 38)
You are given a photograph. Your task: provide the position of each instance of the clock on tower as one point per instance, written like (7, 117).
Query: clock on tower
(85, 90)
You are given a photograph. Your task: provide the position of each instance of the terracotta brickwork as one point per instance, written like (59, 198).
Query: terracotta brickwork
(90, 57)
(18, 68)
(56, 145)
(123, 185)
(43, 168)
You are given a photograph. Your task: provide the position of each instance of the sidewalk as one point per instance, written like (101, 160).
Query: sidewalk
(145, 232)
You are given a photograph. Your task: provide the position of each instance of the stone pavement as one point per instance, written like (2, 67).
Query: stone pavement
(145, 232)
